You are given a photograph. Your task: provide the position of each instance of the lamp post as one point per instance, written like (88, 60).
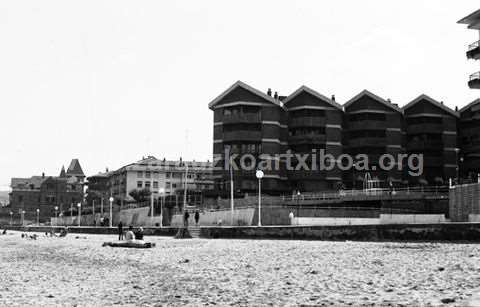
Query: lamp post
(11, 218)
(93, 212)
(259, 175)
(162, 192)
(23, 217)
(79, 205)
(56, 216)
(38, 217)
(298, 203)
(111, 205)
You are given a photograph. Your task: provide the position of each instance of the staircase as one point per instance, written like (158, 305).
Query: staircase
(194, 231)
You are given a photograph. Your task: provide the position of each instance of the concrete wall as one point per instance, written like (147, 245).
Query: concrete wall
(134, 217)
(241, 217)
(412, 218)
(335, 221)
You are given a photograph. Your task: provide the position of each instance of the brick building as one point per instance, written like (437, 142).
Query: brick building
(469, 130)
(314, 123)
(373, 126)
(47, 192)
(431, 130)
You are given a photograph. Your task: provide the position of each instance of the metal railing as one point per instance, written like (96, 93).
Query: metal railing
(475, 76)
(474, 45)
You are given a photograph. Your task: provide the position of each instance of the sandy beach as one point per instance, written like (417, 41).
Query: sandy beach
(78, 271)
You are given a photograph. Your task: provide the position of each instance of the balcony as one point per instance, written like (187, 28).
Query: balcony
(368, 141)
(307, 139)
(420, 146)
(306, 175)
(474, 51)
(474, 80)
(307, 121)
(367, 125)
(424, 128)
(242, 118)
(242, 135)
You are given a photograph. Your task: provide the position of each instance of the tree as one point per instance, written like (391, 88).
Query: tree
(140, 195)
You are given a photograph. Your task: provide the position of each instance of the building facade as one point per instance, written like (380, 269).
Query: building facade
(469, 138)
(48, 192)
(473, 51)
(374, 127)
(314, 125)
(156, 176)
(431, 130)
(248, 123)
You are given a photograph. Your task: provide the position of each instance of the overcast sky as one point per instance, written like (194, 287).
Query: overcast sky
(110, 81)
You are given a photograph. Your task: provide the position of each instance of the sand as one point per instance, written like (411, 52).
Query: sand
(200, 272)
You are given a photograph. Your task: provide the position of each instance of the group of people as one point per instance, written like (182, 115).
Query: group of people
(186, 216)
(130, 234)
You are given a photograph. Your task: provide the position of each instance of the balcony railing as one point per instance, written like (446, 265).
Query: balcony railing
(474, 51)
(474, 80)
(242, 135)
(242, 118)
(306, 121)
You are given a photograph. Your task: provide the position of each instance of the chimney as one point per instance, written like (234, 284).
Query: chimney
(275, 96)
(441, 102)
(43, 175)
(269, 92)
(456, 108)
(333, 97)
(389, 100)
(106, 169)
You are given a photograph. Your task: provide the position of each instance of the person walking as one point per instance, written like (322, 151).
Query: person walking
(291, 216)
(197, 217)
(186, 215)
(120, 231)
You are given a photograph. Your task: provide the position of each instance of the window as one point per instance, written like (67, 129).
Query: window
(174, 185)
(147, 174)
(147, 185)
(139, 174)
(139, 184)
(155, 184)
(168, 185)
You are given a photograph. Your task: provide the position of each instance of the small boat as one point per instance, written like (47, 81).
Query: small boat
(130, 244)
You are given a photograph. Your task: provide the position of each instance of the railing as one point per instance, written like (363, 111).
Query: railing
(474, 45)
(475, 76)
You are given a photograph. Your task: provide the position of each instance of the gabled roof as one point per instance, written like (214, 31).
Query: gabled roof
(246, 87)
(314, 93)
(375, 97)
(471, 104)
(35, 180)
(432, 101)
(75, 169)
(473, 18)
(62, 172)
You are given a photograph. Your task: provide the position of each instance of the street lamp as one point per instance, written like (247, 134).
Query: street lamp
(79, 205)
(38, 217)
(23, 217)
(162, 192)
(111, 205)
(11, 218)
(56, 216)
(259, 174)
(298, 204)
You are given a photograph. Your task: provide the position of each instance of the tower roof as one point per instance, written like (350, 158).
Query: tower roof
(314, 93)
(472, 20)
(62, 172)
(429, 99)
(75, 169)
(374, 97)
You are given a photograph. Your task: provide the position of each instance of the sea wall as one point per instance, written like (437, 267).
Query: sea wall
(242, 217)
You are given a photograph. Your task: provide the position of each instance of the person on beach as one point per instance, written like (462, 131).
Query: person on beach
(139, 234)
(129, 235)
(291, 216)
(186, 215)
(197, 217)
(120, 231)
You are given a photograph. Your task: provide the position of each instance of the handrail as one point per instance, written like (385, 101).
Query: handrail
(474, 45)
(475, 76)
